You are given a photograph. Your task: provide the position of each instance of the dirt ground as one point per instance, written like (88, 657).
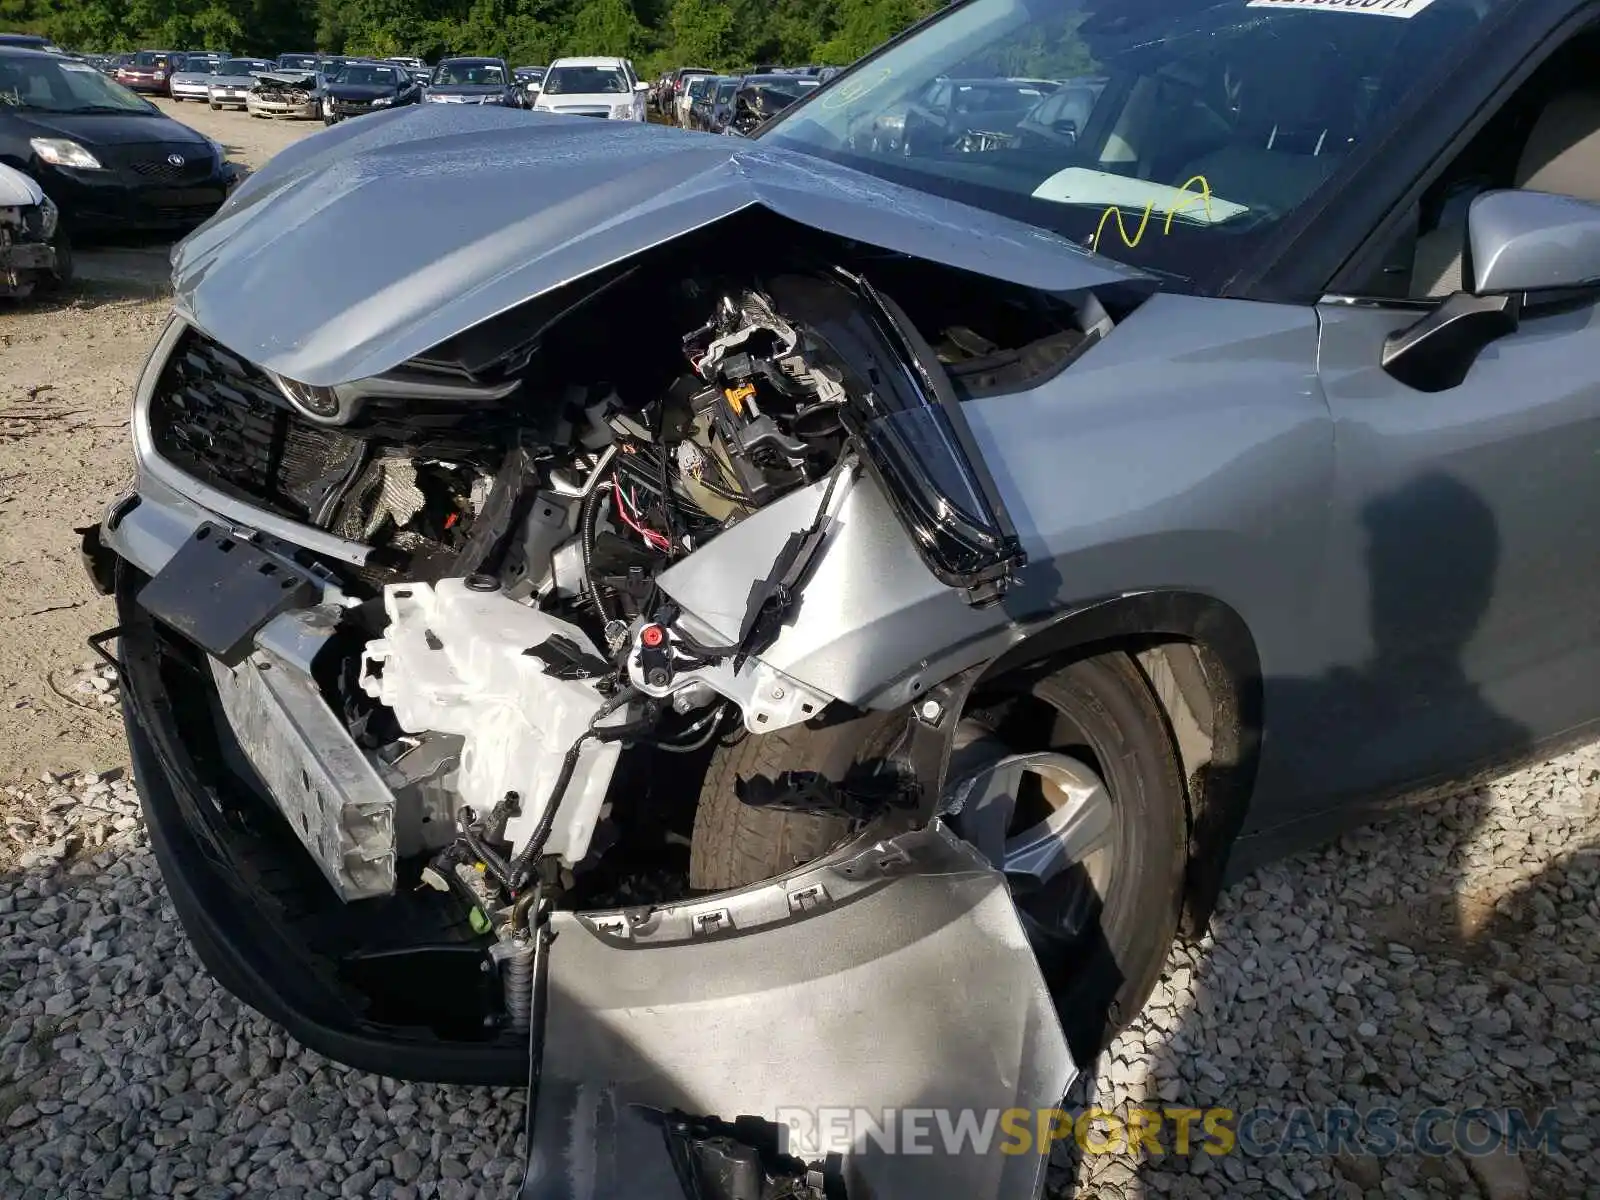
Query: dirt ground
(67, 369)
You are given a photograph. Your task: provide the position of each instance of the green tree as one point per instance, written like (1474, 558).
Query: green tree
(864, 24)
(605, 27)
(725, 34)
(703, 33)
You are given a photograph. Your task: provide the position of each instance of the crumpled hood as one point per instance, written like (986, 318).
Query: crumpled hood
(425, 221)
(289, 79)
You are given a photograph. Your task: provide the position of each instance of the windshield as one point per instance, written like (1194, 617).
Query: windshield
(379, 76)
(149, 58)
(774, 95)
(1171, 134)
(726, 90)
(585, 81)
(471, 74)
(195, 65)
(243, 66)
(297, 62)
(62, 86)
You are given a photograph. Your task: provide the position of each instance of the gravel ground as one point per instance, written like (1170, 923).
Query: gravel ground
(1446, 957)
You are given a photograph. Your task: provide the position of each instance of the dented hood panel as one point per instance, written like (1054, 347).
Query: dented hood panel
(423, 222)
(895, 976)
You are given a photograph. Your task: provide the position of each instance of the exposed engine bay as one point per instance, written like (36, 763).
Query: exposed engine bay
(285, 89)
(508, 655)
(543, 667)
(28, 222)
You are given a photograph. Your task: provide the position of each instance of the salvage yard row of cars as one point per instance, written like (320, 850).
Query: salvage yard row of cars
(103, 157)
(81, 151)
(696, 98)
(330, 87)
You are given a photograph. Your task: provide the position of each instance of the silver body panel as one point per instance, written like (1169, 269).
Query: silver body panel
(770, 1003)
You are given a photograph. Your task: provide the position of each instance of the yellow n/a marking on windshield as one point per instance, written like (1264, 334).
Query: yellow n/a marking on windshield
(1204, 196)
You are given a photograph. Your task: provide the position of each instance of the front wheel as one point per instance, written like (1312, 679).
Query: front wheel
(1085, 816)
(215, 107)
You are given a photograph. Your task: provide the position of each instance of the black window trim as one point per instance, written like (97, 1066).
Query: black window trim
(1363, 259)
(1308, 259)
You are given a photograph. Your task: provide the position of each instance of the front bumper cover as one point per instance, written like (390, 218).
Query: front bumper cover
(110, 200)
(889, 980)
(301, 110)
(23, 265)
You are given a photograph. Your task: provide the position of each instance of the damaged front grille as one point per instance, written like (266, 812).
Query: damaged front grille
(223, 421)
(400, 484)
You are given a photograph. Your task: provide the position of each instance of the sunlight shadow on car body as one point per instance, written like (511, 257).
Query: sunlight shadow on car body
(1262, 1011)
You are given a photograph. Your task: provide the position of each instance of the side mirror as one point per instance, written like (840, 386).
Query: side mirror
(1520, 242)
(1533, 241)
(641, 87)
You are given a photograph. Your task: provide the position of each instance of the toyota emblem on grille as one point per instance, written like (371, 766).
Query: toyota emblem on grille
(176, 160)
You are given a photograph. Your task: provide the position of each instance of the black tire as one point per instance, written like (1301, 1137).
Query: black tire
(1106, 712)
(735, 844)
(215, 107)
(1103, 712)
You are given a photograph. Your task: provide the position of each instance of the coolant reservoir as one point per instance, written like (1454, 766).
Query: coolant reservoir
(455, 660)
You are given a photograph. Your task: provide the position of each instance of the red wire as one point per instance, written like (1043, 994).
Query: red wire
(656, 540)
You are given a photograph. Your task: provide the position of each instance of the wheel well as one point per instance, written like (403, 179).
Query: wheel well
(1200, 662)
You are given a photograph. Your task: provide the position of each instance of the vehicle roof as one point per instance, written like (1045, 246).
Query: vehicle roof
(773, 77)
(470, 58)
(593, 60)
(12, 50)
(24, 39)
